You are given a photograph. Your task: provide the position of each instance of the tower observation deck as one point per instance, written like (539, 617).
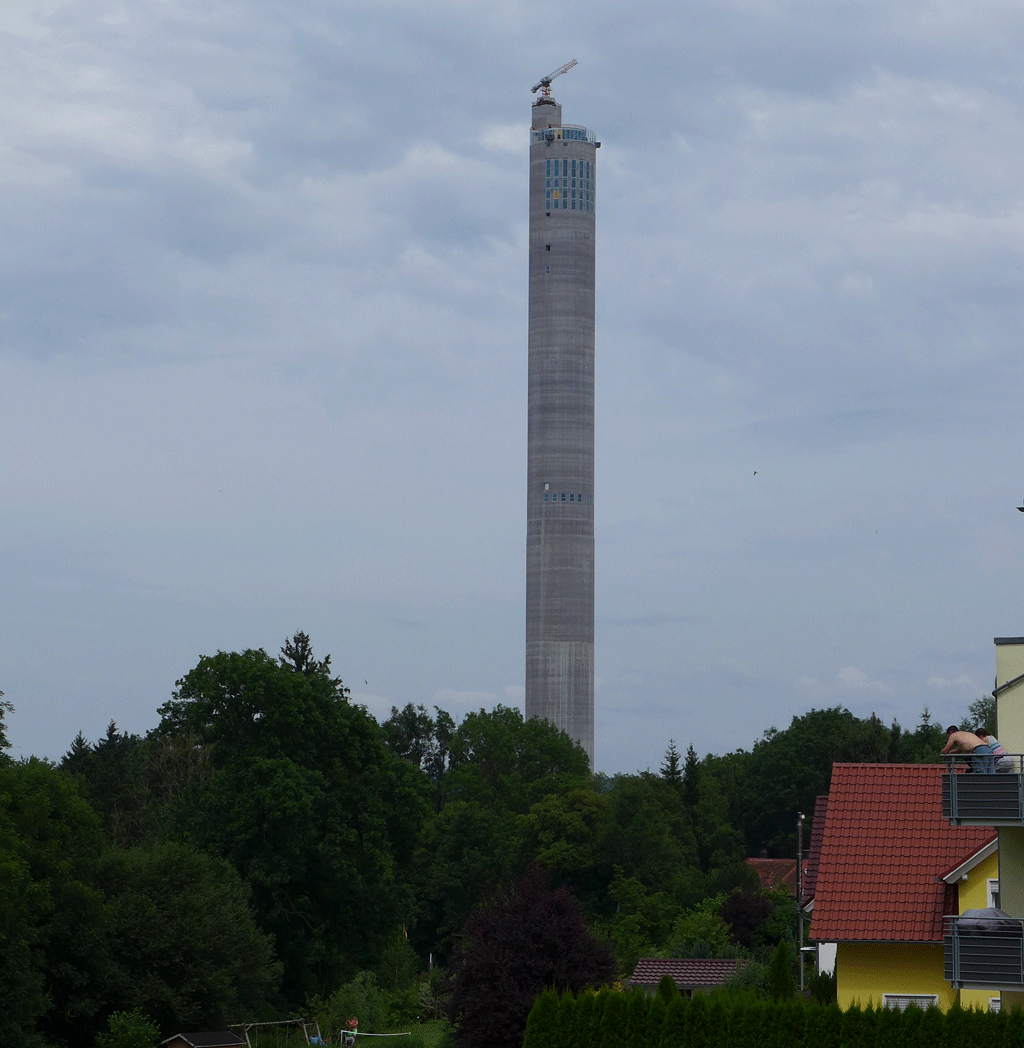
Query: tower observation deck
(560, 455)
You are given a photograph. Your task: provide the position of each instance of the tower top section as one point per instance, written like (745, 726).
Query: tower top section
(544, 84)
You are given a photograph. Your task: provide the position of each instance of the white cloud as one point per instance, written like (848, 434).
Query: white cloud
(963, 681)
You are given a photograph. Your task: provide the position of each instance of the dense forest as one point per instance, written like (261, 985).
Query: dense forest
(269, 849)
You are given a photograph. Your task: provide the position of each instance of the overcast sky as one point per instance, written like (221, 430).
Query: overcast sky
(263, 353)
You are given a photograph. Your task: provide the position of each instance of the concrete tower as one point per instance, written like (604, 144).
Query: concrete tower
(560, 463)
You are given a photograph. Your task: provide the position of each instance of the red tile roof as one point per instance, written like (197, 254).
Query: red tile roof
(885, 843)
(814, 856)
(776, 873)
(688, 973)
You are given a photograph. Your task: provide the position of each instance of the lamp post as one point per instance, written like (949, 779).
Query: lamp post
(800, 894)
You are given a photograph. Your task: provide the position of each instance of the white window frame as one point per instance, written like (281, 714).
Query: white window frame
(902, 1001)
(993, 891)
(995, 1004)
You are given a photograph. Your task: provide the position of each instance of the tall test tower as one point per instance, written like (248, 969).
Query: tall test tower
(560, 455)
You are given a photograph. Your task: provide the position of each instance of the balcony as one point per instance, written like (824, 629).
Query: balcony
(984, 954)
(973, 799)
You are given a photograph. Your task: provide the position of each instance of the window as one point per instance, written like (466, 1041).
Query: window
(563, 496)
(549, 168)
(545, 496)
(993, 892)
(995, 1004)
(547, 269)
(904, 1000)
(547, 247)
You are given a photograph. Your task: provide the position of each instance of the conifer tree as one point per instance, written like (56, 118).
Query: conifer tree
(670, 766)
(718, 1022)
(541, 1020)
(673, 1030)
(656, 1019)
(613, 1021)
(931, 1029)
(697, 1024)
(781, 984)
(565, 1021)
(636, 1019)
(666, 988)
(597, 1016)
(581, 1022)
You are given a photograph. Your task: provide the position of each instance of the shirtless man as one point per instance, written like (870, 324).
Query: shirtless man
(967, 742)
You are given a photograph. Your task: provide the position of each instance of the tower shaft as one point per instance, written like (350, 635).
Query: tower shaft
(560, 462)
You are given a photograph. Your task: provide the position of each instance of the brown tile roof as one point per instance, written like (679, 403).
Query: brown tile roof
(885, 843)
(687, 973)
(776, 873)
(814, 855)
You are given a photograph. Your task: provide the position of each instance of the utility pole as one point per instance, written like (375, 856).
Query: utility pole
(800, 894)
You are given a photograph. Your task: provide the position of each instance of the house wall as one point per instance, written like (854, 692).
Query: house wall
(866, 971)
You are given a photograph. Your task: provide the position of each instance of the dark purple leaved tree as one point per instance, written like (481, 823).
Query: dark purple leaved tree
(526, 938)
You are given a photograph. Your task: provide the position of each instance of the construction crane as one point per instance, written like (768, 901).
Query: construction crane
(544, 84)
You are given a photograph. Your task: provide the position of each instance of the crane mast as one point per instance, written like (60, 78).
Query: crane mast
(544, 84)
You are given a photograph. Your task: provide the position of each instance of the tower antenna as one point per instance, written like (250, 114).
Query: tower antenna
(544, 84)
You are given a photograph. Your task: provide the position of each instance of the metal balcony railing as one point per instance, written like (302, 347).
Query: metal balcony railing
(984, 954)
(974, 797)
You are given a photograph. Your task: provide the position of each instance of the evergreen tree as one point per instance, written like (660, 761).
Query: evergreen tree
(912, 1019)
(673, 1030)
(717, 1021)
(666, 989)
(781, 984)
(830, 1027)
(697, 1024)
(581, 1020)
(613, 1023)
(541, 1021)
(656, 1018)
(636, 1019)
(931, 1029)
(565, 1021)
(670, 766)
(691, 778)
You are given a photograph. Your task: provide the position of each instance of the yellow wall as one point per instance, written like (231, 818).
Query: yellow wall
(973, 892)
(1010, 704)
(865, 971)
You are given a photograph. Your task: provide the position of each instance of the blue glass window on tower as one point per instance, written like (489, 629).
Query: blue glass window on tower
(565, 203)
(565, 165)
(548, 183)
(574, 169)
(549, 167)
(574, 183)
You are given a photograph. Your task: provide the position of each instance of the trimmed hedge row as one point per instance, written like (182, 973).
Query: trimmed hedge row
(632, 1019)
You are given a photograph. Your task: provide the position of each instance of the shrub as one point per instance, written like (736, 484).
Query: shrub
(128, 1030)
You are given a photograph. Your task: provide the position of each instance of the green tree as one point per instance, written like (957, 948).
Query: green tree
(128, 1030)
(51, 844)
(982, 714)
(306, 803)
(781, 984)
(184, 947)
(498, 758)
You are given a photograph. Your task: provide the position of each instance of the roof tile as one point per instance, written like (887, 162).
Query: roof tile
(883, 846)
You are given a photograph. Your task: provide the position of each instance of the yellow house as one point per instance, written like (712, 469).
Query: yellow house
(891, 868)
